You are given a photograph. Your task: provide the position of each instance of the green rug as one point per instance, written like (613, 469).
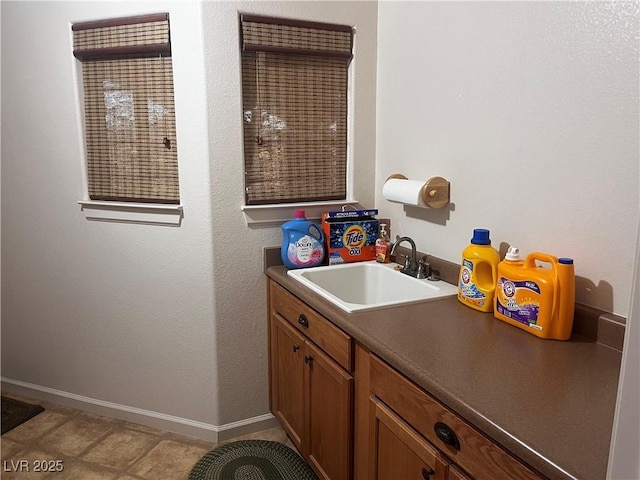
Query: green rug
(252, 460)
(15, 412)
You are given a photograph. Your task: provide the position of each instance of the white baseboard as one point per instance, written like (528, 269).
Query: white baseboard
(183, 426)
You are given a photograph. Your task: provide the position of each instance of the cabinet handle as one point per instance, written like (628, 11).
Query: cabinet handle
(296, 348)
(308, 359)
(426, 473)
(302, 320)
(448, 436)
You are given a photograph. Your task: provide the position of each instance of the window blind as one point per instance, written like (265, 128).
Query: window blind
(296, 37)
(129, 109)
(145, 35)
(295, 83)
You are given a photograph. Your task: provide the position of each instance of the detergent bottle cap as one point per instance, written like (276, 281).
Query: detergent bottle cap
(566, 261)
(513, 254)
(481, 237)
(299, 213)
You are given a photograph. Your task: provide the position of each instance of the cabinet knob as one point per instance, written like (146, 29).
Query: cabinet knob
(296, 348)
(308, 359)
(302, 320)
(448, 436)
(427, 472)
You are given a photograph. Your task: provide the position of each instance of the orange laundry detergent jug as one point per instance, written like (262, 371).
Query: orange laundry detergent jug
(536, 298)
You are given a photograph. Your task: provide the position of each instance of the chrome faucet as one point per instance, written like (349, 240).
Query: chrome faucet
(412, 267)
(410, 263)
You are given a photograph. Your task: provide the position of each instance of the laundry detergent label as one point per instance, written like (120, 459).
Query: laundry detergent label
(519, 301)
(468, 288)
(304, 251)
(354, 238)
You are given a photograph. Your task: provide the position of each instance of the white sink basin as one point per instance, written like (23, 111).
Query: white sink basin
(369, 285)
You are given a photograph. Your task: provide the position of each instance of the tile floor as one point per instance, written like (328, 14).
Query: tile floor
(92, 447)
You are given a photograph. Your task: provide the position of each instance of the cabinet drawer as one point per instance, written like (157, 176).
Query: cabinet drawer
(466, 446)
(318, 329)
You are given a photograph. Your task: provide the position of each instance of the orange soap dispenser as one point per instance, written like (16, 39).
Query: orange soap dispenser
(382, 245)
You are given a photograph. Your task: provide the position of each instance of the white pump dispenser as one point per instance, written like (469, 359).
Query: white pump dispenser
(513, 254)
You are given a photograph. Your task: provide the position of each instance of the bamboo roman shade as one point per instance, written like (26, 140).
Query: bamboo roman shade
(297, 37)
(129, 109)
(294, 88)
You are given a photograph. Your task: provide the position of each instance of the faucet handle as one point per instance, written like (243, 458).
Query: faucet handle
(406, 264)
(424, 269)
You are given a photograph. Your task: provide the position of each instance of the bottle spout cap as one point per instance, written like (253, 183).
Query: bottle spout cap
(513, 254)
(481, 237)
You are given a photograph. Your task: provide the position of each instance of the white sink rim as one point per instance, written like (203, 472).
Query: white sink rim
(413, 290)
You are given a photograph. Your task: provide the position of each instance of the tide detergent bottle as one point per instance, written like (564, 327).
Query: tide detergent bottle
(478, 272)
(302, 242)
(535, 297)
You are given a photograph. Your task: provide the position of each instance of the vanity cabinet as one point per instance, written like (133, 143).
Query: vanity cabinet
(433, 427)
(311, 383)
(352, 415)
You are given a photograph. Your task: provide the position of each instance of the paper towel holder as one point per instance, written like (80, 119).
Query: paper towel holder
(435, 191)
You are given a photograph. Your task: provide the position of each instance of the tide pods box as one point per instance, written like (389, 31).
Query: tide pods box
(350, 236)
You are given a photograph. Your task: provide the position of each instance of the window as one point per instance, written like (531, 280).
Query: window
(294, 93)
(130, 128)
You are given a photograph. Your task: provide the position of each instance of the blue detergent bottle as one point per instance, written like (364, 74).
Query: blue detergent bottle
(302, 242)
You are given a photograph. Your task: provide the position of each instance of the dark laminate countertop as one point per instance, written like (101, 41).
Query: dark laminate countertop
(550, 403)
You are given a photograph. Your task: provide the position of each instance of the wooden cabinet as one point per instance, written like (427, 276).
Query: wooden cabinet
(311, 386)
(397, 452)
(459, 443)
(287, 379)
(330, 422)
(457, 474)
(378, 425)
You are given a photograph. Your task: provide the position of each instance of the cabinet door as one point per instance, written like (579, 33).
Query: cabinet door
(287, 379)
(398, 452)
(457, 474)
(329, 413)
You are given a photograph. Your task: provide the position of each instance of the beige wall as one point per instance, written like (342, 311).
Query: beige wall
(530, 110)
(168, 324)
(625, 438)
(239, 283)
(107, 311)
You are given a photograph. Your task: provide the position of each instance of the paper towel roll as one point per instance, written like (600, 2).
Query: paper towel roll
(407, 192)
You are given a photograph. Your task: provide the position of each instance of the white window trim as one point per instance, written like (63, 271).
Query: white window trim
(275, 215)
(130, 212)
